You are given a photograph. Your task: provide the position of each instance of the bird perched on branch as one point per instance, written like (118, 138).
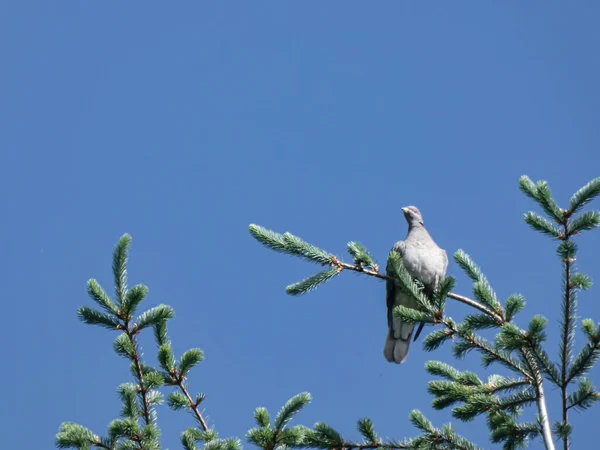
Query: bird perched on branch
(426, 262)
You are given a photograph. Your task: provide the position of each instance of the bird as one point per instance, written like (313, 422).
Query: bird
(424, 261)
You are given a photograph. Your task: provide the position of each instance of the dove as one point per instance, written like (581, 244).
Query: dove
(426, 262)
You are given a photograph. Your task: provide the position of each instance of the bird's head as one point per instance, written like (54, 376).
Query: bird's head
(412, 215)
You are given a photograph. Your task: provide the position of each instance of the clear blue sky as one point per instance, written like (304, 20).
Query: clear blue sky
(183, 123)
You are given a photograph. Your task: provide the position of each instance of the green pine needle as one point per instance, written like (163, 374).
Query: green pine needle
(469, 266)
(584, 222)
(261, 417)
(160, 333)
(296, 246)
(366, 428)
(98, 294)
(584, 361)
(420, 421)
(261, 437)
(589, 328)
(562, 430)
(545, 200)
(511, 337)
(581, 281)
(188, 439)
(128, 392)
(445, 287)
(133, 298)
(542, 225)
(411, 315)
(480, 322)
(166, 359)
(514, 304)
(442, 369)
(584, 195)
(310, 283)
(72, 435)
(268, 238)
(223, 444)
(528, 187)
(436, 338)
(120, 266)
(190, 359)
(323, 436)
(292, 436)
(513, 402)
(567, 250)
(585, 396)
(154, 316)
(93, 317)
(486, 295)
(122, 428)
(290, 409)
(548, 367)
(535, 330)
(123, 346)
(177, 401)
(360, 254)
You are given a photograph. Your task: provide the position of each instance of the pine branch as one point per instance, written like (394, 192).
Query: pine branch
(584, 222)
(98, 294)
(310, 283)
(584, 195)
(490, 354)
(290, 409)
(120, 267)
(584, 361)
(275, 241)
(153, 316)
(93, 317)
(193, 405)
(585, 396)
(143, 389)
(72, 435)
(360, 255)
(548, 367)
(569, 306)
(176, 377)
(481, 287)
(542, 225)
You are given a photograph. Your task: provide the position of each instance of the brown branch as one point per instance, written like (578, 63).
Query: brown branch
(139, 372)
(460, 298)
(193, 405)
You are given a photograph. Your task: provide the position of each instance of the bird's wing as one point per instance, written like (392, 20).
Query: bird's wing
(390, 285)
(445, 259)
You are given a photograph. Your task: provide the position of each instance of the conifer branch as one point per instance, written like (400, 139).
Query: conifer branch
(287, 243)
(193, 405)
(135, 357)
(567, 333)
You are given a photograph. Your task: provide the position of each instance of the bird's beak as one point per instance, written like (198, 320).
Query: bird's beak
(404, 210)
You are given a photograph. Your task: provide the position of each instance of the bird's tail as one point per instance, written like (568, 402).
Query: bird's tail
(397, 341)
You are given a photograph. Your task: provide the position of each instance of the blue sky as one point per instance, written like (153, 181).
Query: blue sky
(182, 124)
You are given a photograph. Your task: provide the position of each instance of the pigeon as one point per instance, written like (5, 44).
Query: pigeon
(426, 262)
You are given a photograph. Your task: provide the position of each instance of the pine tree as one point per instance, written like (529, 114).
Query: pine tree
(501, 400)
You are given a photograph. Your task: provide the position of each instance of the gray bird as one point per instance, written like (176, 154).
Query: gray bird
(426, 262)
